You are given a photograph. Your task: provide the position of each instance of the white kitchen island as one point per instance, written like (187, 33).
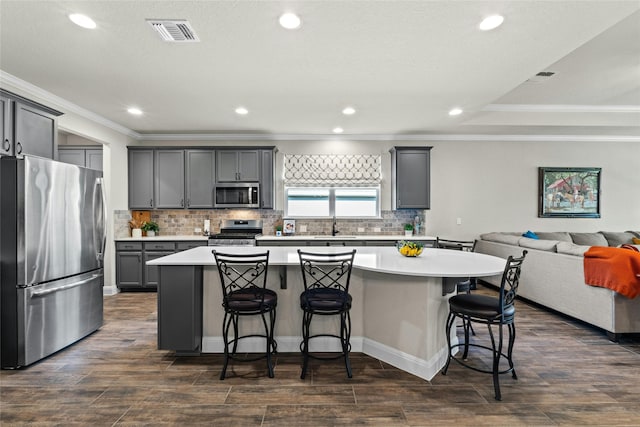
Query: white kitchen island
(398, 314)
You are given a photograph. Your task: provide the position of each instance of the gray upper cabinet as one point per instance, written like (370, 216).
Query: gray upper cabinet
(86, 157)
(27, 127)
(141, 179)
(266, 179)
(73, 156)
(200, 178)
(238, 165)
(410, 172)
(169, 179)
(35, 131)
(6, 146)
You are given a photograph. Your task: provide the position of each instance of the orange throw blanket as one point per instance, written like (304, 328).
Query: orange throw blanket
(615, 268)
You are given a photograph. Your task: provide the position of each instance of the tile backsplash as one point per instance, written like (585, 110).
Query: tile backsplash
(184, 222)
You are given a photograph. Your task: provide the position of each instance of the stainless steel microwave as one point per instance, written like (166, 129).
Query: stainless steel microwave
(237, 195)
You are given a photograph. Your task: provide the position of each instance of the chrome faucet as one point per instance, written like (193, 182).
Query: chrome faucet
(333, 227)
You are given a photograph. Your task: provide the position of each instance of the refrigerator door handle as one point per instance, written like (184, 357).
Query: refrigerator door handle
(100, 254)
(64, 287)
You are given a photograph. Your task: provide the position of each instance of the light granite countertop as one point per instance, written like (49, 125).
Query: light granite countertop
(180, 238)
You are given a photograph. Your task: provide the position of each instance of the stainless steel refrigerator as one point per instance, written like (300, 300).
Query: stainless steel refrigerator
(52, 239)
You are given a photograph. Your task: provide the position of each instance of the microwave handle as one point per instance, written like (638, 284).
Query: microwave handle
(250, 198)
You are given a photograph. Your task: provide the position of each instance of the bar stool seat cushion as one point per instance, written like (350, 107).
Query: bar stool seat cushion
(251, 299)
(325, 300)
(479, 306)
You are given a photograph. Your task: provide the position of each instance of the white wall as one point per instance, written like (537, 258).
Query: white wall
(493, 186)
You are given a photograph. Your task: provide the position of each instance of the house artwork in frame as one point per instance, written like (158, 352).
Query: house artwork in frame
(569, 192)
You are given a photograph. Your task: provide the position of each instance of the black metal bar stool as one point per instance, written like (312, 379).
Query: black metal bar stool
(490, 311)
(326, 278)
(244, 293)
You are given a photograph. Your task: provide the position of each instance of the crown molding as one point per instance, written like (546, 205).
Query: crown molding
(61, 103)
(560, 108)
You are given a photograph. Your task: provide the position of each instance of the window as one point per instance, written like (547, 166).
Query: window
(342, 202)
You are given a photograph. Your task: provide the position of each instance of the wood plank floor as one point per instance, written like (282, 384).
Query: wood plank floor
(568, 374)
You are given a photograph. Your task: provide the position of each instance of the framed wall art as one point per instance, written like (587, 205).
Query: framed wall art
(289, 226)
(569, 192)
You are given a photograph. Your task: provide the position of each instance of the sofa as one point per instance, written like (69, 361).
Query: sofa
(553, 276)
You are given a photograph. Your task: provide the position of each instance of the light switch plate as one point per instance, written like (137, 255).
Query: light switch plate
(360, 229)
(303, 228)
(376, 229)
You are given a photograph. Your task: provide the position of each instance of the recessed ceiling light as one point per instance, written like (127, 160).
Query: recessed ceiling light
(338, 130)
(135, 111)
(82, 20)
(290, 21)
(242, 111)
(348, 111)
(491, 22)
(455, 111)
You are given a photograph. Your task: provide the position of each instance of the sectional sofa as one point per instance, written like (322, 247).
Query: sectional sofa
(553, 276)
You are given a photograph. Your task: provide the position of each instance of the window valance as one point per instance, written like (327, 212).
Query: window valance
(332, 169)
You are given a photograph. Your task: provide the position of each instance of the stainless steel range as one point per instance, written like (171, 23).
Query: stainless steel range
(237, 232)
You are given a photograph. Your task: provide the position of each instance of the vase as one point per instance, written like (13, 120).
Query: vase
(151, 233)
(408, 233)
(136, 232)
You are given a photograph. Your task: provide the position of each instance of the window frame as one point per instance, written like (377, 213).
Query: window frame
(332, 200)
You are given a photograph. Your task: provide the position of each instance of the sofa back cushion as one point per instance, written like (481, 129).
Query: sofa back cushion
(543, 245)
(618, 238)
(507, 238)
(571, 248)
(589, 239)
(561, 236)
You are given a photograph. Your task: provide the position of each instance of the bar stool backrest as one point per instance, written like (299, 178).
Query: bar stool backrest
(242, 272)
(326, 270)
(460, 245)
(509, 283)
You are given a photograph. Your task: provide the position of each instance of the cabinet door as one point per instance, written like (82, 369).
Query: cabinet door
(129, 269)
(35, 132)
(248, 165)
(266, 180)
(151, 271)
(169, 188)
(93, 159)
(141, 179)
(226, 165)
(73, 156)
(412, 179)
(6, 127)
(200, 178)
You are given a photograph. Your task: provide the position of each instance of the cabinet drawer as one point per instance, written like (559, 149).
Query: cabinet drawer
(128, 246)
(159, 246)
(183, 246)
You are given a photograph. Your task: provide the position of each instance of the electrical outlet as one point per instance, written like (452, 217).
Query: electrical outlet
(459, 221)
(197, 230)
(303, 228)
(360, 229)
(376, 229)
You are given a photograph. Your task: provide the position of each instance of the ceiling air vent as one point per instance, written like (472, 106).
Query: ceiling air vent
(174, 30)
(542, 76)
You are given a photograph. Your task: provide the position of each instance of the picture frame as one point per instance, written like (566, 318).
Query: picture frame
(289, 226)
(567, 192)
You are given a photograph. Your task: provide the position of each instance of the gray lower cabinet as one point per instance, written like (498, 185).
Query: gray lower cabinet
(141, 179)
(200, 178)
(411, 177)
(169, 179)
(129, 265)
(132, 271)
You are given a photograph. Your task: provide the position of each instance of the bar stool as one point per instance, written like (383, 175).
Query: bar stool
(460, 245)
(490, 311)
(326, 278)
(244, 293)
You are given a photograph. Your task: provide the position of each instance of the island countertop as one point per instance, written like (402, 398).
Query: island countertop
(431, 263)
(374, 237)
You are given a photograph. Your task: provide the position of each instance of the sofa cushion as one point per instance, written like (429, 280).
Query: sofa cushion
(543, 245)
(509, 239)
(562, 236)
(571, 248)
(618, 238)
(636, 233)
(589, 239)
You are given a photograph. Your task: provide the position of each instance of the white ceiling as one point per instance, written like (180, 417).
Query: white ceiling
(402, 64)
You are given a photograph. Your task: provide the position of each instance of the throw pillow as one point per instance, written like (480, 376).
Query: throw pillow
(589, 239)
(636, 240)
(562, 236)
(617, 238)
(530, 234)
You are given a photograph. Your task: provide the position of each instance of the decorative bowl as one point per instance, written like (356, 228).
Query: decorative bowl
(409, 249)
